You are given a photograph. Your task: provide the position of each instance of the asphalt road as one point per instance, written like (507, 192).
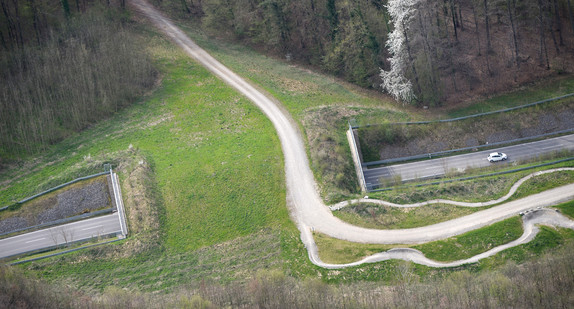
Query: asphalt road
(62, 234)
(306, 207)
(439, 167)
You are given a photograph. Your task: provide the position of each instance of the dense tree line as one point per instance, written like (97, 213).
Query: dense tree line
(429, 51)
(544, 283)
(453, 46)
(346, 38)
(63, 67)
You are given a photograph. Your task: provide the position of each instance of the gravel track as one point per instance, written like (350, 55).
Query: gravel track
(306, 207)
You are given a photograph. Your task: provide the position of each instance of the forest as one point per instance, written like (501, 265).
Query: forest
(422, 52)
(62, 70)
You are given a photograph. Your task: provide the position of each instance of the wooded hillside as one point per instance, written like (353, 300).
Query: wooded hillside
(63, 67)
(452, 50)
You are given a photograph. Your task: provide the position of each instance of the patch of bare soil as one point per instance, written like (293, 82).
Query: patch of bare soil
(395, 141)
(75, 199)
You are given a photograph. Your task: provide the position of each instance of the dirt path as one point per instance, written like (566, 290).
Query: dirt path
(306, 207)
(543, 216)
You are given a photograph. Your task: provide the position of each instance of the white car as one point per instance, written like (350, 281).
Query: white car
(496, 156)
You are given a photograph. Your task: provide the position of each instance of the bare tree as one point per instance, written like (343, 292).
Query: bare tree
(511, 9)
(487, 25)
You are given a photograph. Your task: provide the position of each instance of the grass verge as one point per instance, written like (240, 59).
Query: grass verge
(385, 217)
(567, 208)
(455, 248)
(474, 242)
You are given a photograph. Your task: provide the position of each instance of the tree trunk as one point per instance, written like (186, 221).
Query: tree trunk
(428, 53)
(12, 36)
(18, 23)
(488, 44)
(35, 19)
(185, 7)
(411, 60)
(543, 49)
(571, 15)
(549, 8)
(454, 23)
(460, 21)
(558, 22)
(332, 17)
(511, 18)
(66, 8)
(476, 27)
(2, 40)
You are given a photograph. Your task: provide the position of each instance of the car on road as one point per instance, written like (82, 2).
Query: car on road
(496, 156)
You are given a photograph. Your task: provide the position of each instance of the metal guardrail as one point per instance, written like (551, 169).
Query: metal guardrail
(357, 155)
(480, 176)
(476, 115)
(54, 189)
(62, 221)
(447, 152)
(119, 202)
(60, 253)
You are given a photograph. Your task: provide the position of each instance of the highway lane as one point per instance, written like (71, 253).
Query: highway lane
(439, 167)
(61, 234)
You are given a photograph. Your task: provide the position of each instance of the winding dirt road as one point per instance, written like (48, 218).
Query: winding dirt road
(306, 207)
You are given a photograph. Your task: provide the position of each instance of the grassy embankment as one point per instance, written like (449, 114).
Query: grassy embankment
(478, 190)
(452, 249)
(217, 164)
(462, 246)
(207, 201)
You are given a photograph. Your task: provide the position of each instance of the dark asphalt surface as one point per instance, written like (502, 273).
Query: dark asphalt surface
(438, 167)
(62, 234)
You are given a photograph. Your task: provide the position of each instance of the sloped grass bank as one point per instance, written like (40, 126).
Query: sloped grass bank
(478, 190)
(319, 104)
(218, 172)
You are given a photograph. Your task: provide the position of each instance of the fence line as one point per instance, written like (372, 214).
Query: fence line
(62, 221)
(357, 159)
(476, 115)
(54, 189)
(481, 176)
(446, 152)
(63, 252)
(119, 202)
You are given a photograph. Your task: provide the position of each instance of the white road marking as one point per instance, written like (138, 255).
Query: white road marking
(93, 227)
(38, 239)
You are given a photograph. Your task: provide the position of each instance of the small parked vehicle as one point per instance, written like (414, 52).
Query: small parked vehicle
(496, 156)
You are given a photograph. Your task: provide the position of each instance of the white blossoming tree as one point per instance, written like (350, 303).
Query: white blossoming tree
(394, 81)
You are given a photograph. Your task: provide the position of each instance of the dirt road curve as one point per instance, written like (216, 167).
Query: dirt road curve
(306, 207)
